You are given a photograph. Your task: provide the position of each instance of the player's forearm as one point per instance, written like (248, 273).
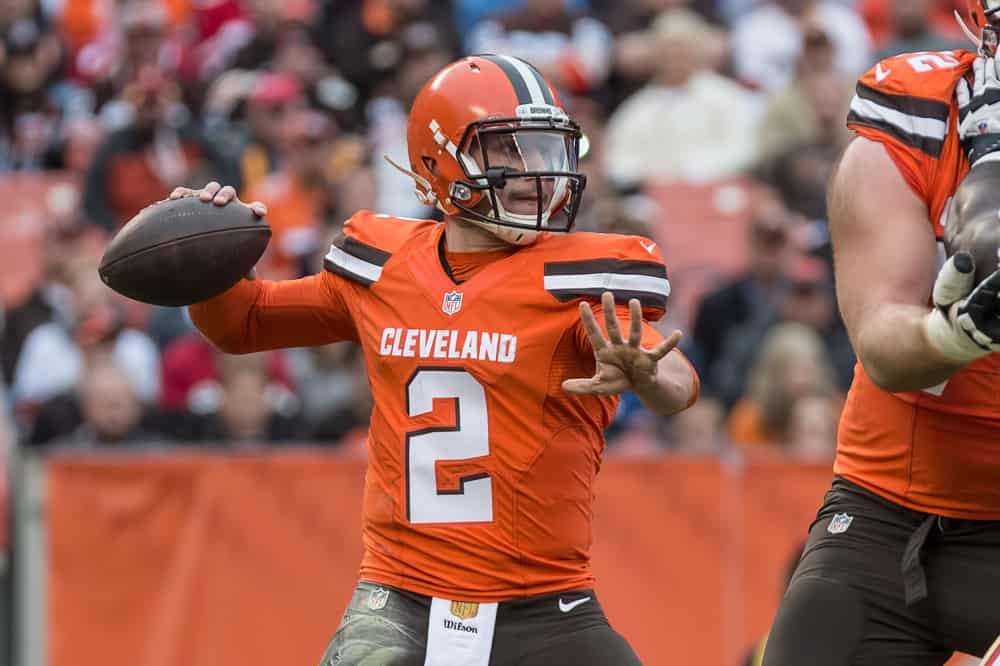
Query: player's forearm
(674, 389)
(257, 315)
(896, 353)
(226, 319)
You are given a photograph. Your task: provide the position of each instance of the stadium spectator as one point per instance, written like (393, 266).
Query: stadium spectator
(768, 42)
(75, 146)
(757, 293)
(333, 388)
(811, 430)
(571, 49)
(250, 410)
(811, 109)
(111, 410)
(33, 98)
(635, 59)
(300, 192)
(55, 354)
(809, 301)
(697, 430)
(368, 41)
(191, 372)
(103, 408)
(155, 151)
(127, 39)
(689, 122)
(51, 299)
(913, 30)
(792, 362)
(245, 112)
(424, 55)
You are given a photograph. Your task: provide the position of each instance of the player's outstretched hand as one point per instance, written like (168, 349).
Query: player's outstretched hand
(622, 365)
(218, 195)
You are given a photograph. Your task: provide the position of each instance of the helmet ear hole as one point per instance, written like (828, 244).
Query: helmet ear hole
(431, 165)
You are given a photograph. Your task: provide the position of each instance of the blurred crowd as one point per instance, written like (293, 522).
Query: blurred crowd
(296, 101)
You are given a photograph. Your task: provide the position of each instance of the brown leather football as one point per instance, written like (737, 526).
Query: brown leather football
(183, 251)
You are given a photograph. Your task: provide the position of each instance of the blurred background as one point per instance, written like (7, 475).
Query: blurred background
(171, 505)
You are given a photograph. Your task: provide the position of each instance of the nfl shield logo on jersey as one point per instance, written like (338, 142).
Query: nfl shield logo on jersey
(378, 598)
(452, 302)
(839, 523)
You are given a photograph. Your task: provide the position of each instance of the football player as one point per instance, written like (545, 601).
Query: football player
(491, 375)
(902, 564)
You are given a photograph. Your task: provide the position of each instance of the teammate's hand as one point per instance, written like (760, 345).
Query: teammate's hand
(979, 109)
(218, 195)
(621, 365)
(965, 324)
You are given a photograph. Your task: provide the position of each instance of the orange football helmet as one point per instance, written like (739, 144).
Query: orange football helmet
(985, 29)
(490, 143)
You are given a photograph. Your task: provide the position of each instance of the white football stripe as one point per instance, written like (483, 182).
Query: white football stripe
(931, 128)
(609, 281)
(537, 97)
(349, 262)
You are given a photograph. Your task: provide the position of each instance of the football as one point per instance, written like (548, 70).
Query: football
(972, 223)
(183, 251)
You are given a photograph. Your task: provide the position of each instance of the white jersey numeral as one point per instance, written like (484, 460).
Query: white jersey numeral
(468, 438)
(927, 62)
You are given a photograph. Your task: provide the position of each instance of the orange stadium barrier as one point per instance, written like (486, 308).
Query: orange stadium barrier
(248, 560)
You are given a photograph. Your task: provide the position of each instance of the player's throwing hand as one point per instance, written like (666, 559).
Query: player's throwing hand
(621, 365)
(218, 195)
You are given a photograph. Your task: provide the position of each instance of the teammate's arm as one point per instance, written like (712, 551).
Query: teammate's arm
(660, 376)
(884, 254)
(256, 315)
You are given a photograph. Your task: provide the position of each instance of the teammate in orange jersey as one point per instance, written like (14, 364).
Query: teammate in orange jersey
(492, 380)
(902, 565)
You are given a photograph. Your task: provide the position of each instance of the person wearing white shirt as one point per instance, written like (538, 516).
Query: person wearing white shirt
(689, 122)
(767, 42)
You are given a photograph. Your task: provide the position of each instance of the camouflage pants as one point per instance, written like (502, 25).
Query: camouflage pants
(386, 626)
(380, 628)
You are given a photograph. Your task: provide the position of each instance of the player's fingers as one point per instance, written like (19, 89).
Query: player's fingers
(181, 192)
(634, 323)
(582, 386)
(590, 327)
(209, 191)
(665, 347)
(611, 318)
(224, 196)
(963, 95)
(955, 279)
(259, 209)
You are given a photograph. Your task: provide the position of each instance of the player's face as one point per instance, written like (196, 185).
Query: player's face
(523, 152)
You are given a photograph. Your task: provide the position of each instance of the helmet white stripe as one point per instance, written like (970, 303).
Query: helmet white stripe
(535, 90)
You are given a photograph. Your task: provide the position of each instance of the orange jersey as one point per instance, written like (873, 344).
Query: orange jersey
(936, 450)
(481, 469)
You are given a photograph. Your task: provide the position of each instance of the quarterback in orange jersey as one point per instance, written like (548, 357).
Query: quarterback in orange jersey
(491, 376)
(902, 565)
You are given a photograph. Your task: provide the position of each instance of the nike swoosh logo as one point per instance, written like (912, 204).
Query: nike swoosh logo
(647, 248)
(567, 607)
(881, 74)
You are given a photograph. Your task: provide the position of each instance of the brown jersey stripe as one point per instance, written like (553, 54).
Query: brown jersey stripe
(362, 251)
(931, 147)
(623, 266)
(908, 104)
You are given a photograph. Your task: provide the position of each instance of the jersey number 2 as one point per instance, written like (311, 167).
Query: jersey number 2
(472, 501)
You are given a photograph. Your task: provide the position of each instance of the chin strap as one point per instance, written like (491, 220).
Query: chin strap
(428, 197)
